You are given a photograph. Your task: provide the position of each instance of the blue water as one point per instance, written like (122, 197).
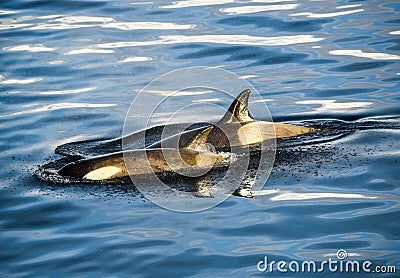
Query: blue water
(70, 69)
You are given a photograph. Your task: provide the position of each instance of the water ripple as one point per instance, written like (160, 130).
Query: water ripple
(19, 81)
(148, 26)
(57, 106)
(62, 22)
(275, 23)
(197, 3)
(257, 9)
(332, 106)
(136, 59)
(324, 195)
(360, 66)
(5, 12)
(66, 92)
(89, 51)
(219, 39)
(81, 19)
(369, 55)
(29, 48)
(327, 15)
(13, 26)
(60, 26)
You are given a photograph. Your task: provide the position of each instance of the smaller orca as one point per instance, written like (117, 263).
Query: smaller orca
(190, 158)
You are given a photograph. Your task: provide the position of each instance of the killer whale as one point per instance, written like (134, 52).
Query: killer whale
(188, 159)
(238, 128)
(240, 125)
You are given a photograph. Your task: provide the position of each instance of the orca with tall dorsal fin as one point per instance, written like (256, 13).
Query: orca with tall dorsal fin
(189, 158)
(256, 130)
(239, 109)
(238, 128)
(239, 112)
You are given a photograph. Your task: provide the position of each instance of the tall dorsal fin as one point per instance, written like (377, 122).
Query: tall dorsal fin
(239, 109)
(199, 141)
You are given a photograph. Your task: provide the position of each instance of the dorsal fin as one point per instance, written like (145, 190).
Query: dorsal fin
(239, 109)
(199, 141)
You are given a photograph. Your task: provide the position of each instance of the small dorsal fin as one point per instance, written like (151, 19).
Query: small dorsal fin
(239, 109)
(199, 141)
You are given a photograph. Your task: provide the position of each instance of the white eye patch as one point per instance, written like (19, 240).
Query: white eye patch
(103, 173)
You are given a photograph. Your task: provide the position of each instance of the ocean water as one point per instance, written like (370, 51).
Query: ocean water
(70, 70)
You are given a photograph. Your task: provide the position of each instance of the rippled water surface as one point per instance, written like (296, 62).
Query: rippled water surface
(70, 70)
